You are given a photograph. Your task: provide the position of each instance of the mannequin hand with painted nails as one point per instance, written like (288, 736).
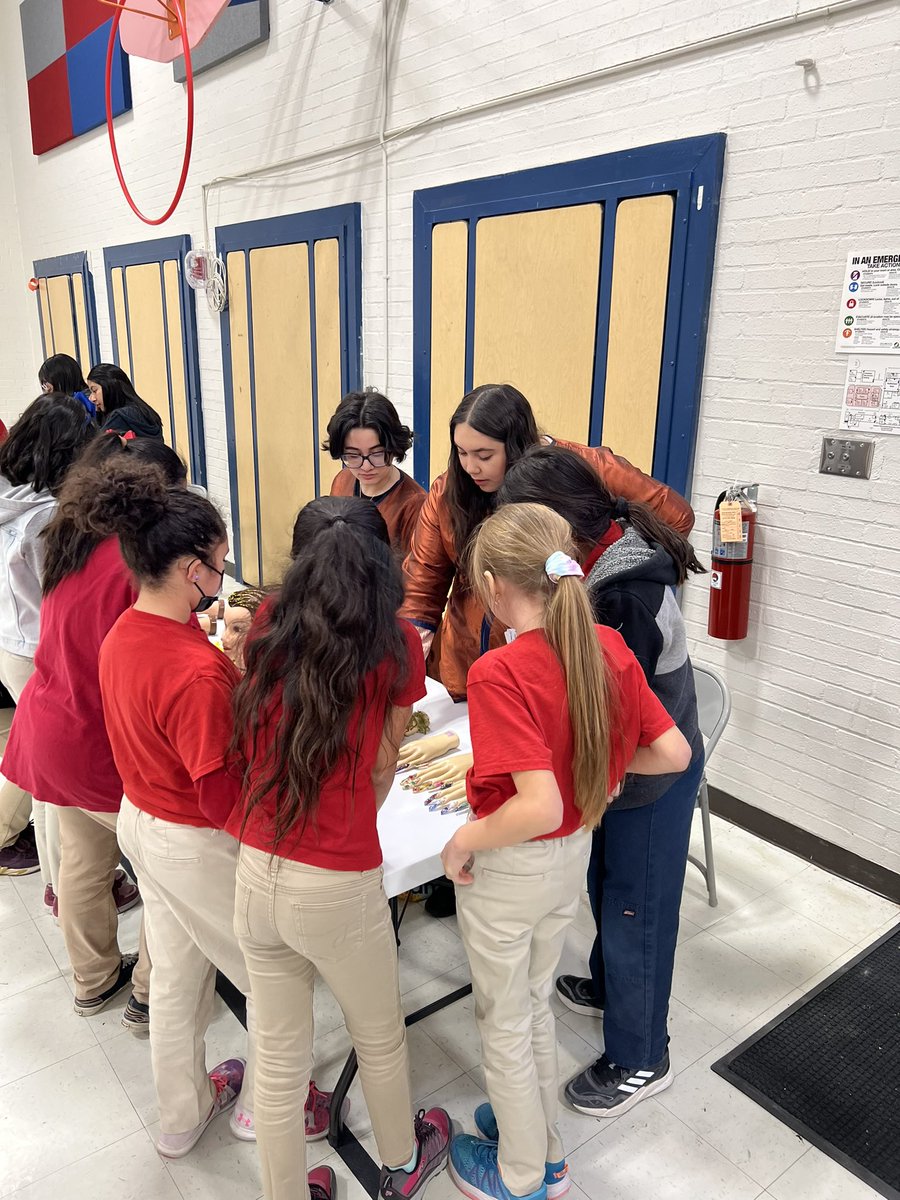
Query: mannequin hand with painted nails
(449, 770)
(426, 749)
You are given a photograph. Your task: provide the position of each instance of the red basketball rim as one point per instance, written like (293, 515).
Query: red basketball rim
(189, 133)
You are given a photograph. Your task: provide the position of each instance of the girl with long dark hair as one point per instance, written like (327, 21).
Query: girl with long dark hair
(331, 678)
(369, 438)
(490, 431)
(632, 562)
(557, 718)
(122, 409)
(34, 459)
(59, 749)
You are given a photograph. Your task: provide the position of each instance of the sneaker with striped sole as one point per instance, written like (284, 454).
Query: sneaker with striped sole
(608, 1090)
(556, 1175)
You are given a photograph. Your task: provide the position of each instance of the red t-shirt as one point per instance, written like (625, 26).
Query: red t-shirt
(519, 720)
(341, 835)
(58, 747)
(167, 704)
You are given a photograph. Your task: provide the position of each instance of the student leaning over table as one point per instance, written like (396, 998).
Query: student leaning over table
(489, 431)
(557, 717)
(331, 678)
(167, 704)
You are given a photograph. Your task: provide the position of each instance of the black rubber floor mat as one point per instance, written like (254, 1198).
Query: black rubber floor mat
(829, 1066)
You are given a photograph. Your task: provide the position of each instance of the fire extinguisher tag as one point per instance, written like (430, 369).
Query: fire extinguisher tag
(730, 525)
(730, 551)
(715, 580)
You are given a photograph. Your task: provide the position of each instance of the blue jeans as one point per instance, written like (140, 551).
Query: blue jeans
(635, 880)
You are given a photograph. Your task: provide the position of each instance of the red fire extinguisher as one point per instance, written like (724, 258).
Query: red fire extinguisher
(734, 527)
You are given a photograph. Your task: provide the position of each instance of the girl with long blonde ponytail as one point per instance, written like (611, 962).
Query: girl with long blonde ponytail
(558, 716)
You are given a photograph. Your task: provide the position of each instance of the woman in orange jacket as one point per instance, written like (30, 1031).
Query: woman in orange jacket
(490, 430)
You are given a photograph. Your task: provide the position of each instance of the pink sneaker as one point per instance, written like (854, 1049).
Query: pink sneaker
(432, 1130)
(227, 1079)
(317, 1112)
(322, 1183)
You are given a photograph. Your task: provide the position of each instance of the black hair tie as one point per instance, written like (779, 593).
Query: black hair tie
(620, 509)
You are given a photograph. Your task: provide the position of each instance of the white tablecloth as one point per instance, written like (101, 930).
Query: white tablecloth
(412, 838)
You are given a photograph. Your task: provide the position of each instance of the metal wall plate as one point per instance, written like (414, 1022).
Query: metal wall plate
(847, 456)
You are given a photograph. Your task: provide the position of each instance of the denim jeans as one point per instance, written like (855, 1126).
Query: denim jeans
(635, 880)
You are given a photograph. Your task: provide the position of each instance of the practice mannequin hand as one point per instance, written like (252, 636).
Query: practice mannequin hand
(448, 770)
(451, 794)
(426, 749)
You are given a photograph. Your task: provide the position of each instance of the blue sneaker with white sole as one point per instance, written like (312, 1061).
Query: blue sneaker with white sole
(556, 1175)
(475, 1171)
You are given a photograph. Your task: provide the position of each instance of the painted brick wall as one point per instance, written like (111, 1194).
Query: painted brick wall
(811, 171)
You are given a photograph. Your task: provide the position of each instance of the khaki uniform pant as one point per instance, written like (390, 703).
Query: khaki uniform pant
(292, 921)
(513, 920)
(87, 910)
(187, 880)
(15, 805)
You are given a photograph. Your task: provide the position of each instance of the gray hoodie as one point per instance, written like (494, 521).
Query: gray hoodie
(23, 514)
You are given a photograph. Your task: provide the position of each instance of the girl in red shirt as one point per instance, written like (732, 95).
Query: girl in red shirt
(558, 716)
(331, 678)
(58, 747)
(167, 705)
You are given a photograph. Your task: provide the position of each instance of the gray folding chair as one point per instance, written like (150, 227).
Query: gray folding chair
(713, 711)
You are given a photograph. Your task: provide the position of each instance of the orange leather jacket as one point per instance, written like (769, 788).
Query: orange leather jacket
(438, 597)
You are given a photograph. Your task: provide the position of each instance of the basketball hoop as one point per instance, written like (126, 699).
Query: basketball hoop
(173, 14)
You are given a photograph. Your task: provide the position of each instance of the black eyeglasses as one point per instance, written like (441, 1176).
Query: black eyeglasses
(353, 458)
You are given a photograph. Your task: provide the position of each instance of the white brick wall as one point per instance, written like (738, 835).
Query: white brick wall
(814, 735)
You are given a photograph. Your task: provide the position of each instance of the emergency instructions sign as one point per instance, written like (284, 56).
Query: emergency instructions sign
(869, 321)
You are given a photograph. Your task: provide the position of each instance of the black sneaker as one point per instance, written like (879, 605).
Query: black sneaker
(21, 858)
(605, 1090)
(136, 1018)
(578, 994)
(87, 1008)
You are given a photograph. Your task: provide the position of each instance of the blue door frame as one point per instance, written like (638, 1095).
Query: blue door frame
(73, 264)
(162, 250)
(691, 171)
(343, 223)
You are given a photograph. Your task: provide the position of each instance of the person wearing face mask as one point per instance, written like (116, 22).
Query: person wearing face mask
(166, 695)
(369, 438)
(490, 430)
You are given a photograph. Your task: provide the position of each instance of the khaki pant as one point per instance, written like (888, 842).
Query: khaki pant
(186, 877)
(15, 805)
(87, 909)
(293, 920)
(513, 920)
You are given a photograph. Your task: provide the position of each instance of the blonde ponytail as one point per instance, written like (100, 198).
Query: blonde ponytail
(514, 544)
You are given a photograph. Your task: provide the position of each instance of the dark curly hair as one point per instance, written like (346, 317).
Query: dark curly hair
(333, 622)
(368, 410)
(45, 441)
(67, 547)
(156, 523)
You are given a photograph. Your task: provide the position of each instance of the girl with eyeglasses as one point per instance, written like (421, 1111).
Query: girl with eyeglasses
(367, 435)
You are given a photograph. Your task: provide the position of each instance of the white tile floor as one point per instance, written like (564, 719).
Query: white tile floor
(78, 1111)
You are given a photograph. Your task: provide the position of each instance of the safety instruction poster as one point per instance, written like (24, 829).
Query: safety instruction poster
(872, 394)
(869, 320)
